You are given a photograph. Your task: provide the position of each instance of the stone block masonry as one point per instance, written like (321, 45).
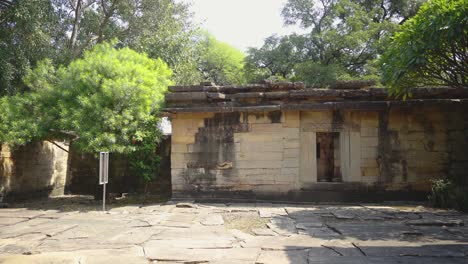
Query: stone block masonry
(235, 152)
(281, 139)
(36, 169)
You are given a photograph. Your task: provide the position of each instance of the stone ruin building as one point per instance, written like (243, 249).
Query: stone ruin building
(285, 141)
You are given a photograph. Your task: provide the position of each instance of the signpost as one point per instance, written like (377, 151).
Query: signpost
(103, 175)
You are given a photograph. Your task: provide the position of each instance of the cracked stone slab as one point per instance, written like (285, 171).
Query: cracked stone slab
(198, 232)
(308, 225)
(263, 232)
(270, 212)
(283, 257)
(435, 222)
(175, 255)
(140, 223)
(114, 256)
(384, 260)
(295, 242)
(192, 243)
(344, 215)
(28, 214)
(213, 220)
(440, 233)
(320, 232)
(179, 220)
(309, 222)
(240, 235)
(393, 248)
(322, 252)
(133, 236)
(406, 216)
(6, 221)
(85, 257)
(376, 230)
(54, 245)
(343, 248)
(46, 258)
(295, 212)
(241, 209)
(284, 226)
(21, 244)
(149, 219)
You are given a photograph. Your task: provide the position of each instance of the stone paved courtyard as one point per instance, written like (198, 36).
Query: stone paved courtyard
(187, 232)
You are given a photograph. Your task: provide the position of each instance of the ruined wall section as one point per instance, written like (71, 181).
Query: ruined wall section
(405, 148)
(401, 148)
(235, 152)
(36, 169)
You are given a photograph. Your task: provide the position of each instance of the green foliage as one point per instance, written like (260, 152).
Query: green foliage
(18, 124)
(110, 96)
(220, 62)
(318, 75)
(344, 37)
(27, 29)
(446, 194)
(431, 48)
(105, 101)
(276, 57)
(62, 30)
(144, 161)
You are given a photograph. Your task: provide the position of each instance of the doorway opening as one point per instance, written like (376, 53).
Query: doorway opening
(328, 157)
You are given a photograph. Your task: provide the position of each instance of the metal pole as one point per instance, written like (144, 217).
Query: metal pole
(104, 198)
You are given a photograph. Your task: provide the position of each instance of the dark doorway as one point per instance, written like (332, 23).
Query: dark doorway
(328, 161)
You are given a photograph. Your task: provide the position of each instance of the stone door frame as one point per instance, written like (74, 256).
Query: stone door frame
(350, 151)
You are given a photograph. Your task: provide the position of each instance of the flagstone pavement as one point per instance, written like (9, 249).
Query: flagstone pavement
(188, 232)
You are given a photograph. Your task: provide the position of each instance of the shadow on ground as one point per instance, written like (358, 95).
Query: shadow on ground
(87, 203)
(366, 234)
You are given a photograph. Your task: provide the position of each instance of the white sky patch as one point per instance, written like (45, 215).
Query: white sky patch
(241, 23)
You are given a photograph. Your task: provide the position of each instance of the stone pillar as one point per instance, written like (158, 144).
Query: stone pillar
(308, 157)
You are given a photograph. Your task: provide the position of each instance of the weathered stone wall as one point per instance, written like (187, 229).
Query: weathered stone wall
(274, 152)
(36, 169)
(235, 152)
(84, 172)
(416, 145)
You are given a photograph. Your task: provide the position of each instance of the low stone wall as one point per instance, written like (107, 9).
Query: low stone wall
(47, 169)
(36, 169)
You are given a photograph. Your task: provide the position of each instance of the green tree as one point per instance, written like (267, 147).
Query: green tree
(62, 30)
(276, 57)
(19, 123)
(342, 35)
(431, 48)
(28, 33)
(106, 101)
(220, 62)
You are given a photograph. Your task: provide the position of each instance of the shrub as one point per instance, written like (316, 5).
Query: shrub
(446, 194)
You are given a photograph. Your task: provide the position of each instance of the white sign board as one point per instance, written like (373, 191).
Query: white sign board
(103, 167)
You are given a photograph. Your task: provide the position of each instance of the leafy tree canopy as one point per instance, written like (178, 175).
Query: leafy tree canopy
(343, 36)
(105, 101)
(431, 48)
(220, 62)
(276, 57)
(61, 30)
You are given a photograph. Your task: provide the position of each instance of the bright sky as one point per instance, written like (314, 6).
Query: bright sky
(241, 23)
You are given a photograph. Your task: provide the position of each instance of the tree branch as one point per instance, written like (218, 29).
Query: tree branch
(58, 146)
